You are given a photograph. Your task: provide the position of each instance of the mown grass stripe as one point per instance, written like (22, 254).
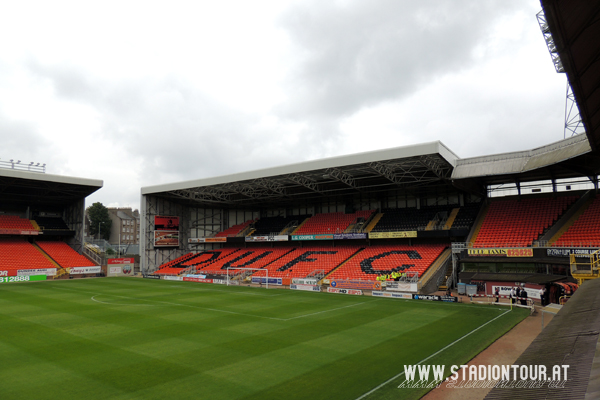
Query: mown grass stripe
(293, 345)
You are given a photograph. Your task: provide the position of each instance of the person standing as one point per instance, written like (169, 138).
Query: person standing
(523, 297)
(497, 293)
(513, 293)
(543, 296)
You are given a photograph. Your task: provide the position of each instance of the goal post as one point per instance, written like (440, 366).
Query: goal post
(231, 274)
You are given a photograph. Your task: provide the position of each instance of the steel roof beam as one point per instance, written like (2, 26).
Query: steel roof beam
(343, 177)
(386, 171)
(305, 182)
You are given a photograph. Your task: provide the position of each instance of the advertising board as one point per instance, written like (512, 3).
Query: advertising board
(356, 284)
(84, 270)
(344, 291)
(25, 278)
(261, 280)
(309, 288)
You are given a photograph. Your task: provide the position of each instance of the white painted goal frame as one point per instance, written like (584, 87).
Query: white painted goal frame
(249, 269)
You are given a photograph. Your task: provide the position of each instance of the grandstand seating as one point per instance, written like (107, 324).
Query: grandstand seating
(408, 219)
(508, 222)
(174, 267)
(203, 258)
(234, 230)
(585, 231)
(269, 225)
(466, 216)
(51, 223)
(198, 260)
(280, 261)
(15, 222)
(255, 257)
(292, 262)
(16, 254)
(384, 259)
(300, 262)
(178, 265)
(205, 265)
(335, 222)
(64, 255)
(514, 223)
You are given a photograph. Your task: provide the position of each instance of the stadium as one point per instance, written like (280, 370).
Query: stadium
(321, 279)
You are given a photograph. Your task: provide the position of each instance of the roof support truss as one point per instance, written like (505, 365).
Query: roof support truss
(342, 176)
(304, 181)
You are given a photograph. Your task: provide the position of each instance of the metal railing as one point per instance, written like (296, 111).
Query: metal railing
(459, 246)
(31, 167)
(317, 274)
(97, 258)
(589, 265)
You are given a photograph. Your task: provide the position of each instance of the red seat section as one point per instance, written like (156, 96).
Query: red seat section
(275, 225)
(14, 222)
(514, 223)
(585, 231)
(357, 262)
(198, 260)
(234, 230)
(16, 254)
(336, 222)
(300, 262)
(254, 257)
(384, 259)
(174, 267)
(64, 255)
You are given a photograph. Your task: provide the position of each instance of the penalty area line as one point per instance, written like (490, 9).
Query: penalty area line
(431, 356)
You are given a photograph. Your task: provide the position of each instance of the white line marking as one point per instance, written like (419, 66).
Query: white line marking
(433, 355)
(437, 303)
(324, 311)
(225, 291)
(118, 304)
(210, 309)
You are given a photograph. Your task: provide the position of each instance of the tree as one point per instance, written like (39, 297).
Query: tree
(99, 219)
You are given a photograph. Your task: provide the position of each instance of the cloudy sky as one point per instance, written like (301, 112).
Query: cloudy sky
(140, 93)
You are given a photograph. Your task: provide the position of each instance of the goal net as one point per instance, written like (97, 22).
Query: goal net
(236, 275)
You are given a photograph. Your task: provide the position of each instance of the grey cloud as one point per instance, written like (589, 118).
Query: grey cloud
(22, 141)
(347, 56)
(360, 53)
(177, 131)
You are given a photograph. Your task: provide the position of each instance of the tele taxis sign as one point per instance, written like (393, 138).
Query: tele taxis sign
(501, 252)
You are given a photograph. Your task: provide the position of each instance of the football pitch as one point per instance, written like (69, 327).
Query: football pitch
(128, 338)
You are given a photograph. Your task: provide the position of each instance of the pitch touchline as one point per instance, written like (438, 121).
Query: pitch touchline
(433, 355)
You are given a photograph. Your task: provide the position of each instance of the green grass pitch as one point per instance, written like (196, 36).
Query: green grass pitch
(128, 338)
